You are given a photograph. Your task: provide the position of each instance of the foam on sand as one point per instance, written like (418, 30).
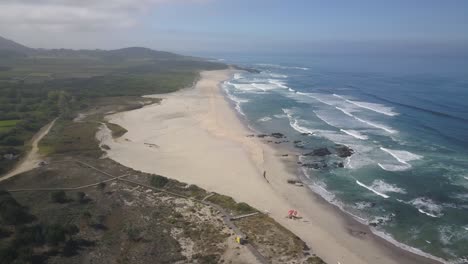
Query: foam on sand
(378, 108)
(372, 190)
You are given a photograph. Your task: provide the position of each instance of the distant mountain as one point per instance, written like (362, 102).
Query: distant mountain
(10, 45)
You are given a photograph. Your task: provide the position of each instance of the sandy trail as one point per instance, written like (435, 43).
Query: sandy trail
(195, 136)
(32, 158)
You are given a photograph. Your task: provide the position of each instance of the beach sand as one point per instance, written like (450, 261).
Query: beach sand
(195, 136)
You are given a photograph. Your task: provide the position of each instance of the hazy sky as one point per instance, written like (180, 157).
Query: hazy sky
(239, 25)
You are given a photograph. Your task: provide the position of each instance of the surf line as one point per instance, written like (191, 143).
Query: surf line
(372, 190)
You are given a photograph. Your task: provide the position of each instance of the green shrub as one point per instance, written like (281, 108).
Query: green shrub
(54, 234)
(80, 197)
(159, 181)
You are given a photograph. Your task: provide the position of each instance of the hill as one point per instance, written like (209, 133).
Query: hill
(6, 44)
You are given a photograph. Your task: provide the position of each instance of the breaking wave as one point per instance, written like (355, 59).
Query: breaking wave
(427, 206)
(401, 155)
(372, 190)
(378, 108)
(355, 134)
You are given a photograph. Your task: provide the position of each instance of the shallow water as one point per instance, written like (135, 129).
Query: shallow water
(406, 120)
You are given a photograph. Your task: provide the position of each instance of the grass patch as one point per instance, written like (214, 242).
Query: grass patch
(7, 125)
(228, 203)
(69, 137)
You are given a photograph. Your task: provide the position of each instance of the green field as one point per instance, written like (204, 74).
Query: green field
(6, 125)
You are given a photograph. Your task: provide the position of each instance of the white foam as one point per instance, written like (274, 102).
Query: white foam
(355, 134)
(280, 116)
(294, 123)
(383, 187)
(243, 86)
(363, 205)
(466, 178)
(389, 130)
(281, 66)
(401, 155)
(264, 119)
(378, 108)
(427, 206)
(379, 126)
(276, 75)
(237, 101)
(393, 167)
(237, 76)
(417, 251)
(372, 190)
(344, 111)
(278, 83)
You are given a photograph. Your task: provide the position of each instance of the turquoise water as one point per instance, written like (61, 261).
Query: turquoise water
(406, 120)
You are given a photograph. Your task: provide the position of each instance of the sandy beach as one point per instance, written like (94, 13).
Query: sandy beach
(195, 136)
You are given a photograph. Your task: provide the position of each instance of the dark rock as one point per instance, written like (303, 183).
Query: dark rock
(318, 152)
(262, 135)
(297, 141)
(344, 151)
(305, 134)
(277, 135)
(338, 164)
(311, 165)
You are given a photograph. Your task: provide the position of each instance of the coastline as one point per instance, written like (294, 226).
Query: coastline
(196, 136)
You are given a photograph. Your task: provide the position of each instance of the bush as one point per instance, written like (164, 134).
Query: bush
(58, 197)
(11, 212)
(101, 186)
(159, 181)
(54, 234)
(80, 197)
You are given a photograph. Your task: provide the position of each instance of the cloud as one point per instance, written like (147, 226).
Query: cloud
(76, 15)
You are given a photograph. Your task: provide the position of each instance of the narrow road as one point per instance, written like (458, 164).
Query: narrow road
(31, 160)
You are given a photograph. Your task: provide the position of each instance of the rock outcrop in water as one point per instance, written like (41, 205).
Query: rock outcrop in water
(320, 152)
(343, 151)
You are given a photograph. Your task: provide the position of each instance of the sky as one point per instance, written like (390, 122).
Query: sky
(240, 26)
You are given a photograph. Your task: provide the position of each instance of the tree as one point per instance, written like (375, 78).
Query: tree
(58, 197)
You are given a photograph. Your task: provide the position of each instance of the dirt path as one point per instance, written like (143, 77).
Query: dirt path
(31, 160)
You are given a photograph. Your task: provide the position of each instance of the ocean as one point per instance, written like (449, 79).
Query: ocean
(405, 119)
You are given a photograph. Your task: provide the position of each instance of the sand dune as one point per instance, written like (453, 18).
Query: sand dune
(195, 136)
